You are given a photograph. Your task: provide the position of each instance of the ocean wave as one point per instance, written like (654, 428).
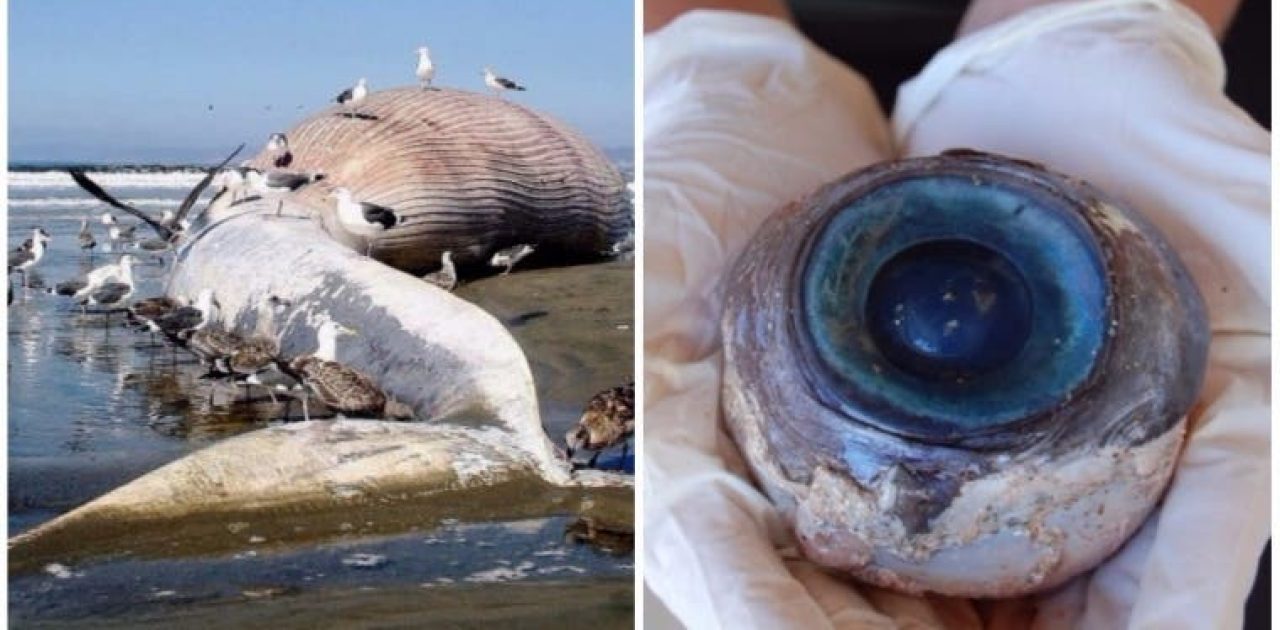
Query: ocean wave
(86, 202)
(108, 179)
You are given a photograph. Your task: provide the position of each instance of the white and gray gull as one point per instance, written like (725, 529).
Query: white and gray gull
(276, 183)
(351, 97)
(112, 292)
(500, 84)
(447, 277)
(278, 148)
(363, 218)
(426, 70)
(26, 257)
(85, 237)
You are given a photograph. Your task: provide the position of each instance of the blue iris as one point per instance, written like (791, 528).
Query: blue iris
(947, 305)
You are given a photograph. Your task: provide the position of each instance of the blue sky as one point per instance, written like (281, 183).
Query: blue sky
(131, 80)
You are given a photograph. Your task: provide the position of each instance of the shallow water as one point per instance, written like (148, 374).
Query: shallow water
(94, 404)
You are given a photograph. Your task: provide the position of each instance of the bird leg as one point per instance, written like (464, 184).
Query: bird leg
(306, 415)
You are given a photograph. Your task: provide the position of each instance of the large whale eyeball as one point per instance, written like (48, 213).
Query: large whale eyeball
(962, 374)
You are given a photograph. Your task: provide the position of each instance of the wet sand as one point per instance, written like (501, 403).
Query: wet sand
(578, 604)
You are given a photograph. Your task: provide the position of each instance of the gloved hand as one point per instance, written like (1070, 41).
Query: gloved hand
(743, 115)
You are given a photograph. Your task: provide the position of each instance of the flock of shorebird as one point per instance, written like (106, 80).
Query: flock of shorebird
(227, 356)
(256, 361)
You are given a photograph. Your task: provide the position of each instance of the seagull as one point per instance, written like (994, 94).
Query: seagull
(110, 271)
(232, 185)
(87, 242)
(80, 288)
(499, 84)
(426, 70)
(168, 218)
(510, 256)
(278, 147)
(230, 182)
(278, 182)
(26, 257)
(117, 233)
(340, 388)
(353, 96)
(447, 277)
(609, 419)
(363, 218)
(69, 287)
(111, 292)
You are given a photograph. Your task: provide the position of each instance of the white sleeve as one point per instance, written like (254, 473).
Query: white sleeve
(742, 115)
(1127, 94)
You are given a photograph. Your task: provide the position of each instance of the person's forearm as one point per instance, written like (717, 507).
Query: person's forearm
(1216, 13)
(658, 13)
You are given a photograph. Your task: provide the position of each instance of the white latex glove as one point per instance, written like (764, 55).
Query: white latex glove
(742, 116)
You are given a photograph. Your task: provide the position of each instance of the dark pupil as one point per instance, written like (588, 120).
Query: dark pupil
(948, 309)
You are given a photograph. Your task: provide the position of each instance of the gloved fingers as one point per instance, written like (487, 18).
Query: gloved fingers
(839, 600)
(742, 116)
(920, 612)
(682, 404)
(1213, 523)
(1126, 94)
(709, 557)
(1059, 609)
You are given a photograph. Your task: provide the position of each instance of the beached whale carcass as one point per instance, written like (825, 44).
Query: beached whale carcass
(279, 266)
(469, 173)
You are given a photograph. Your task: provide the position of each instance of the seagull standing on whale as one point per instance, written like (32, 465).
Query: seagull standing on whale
(353, 96)
(500, 84)
(426, 70)
(363, 218)
(278, 147)
(447, 277)
(278, 182)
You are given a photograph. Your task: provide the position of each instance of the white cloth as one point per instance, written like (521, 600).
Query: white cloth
(742, 115)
